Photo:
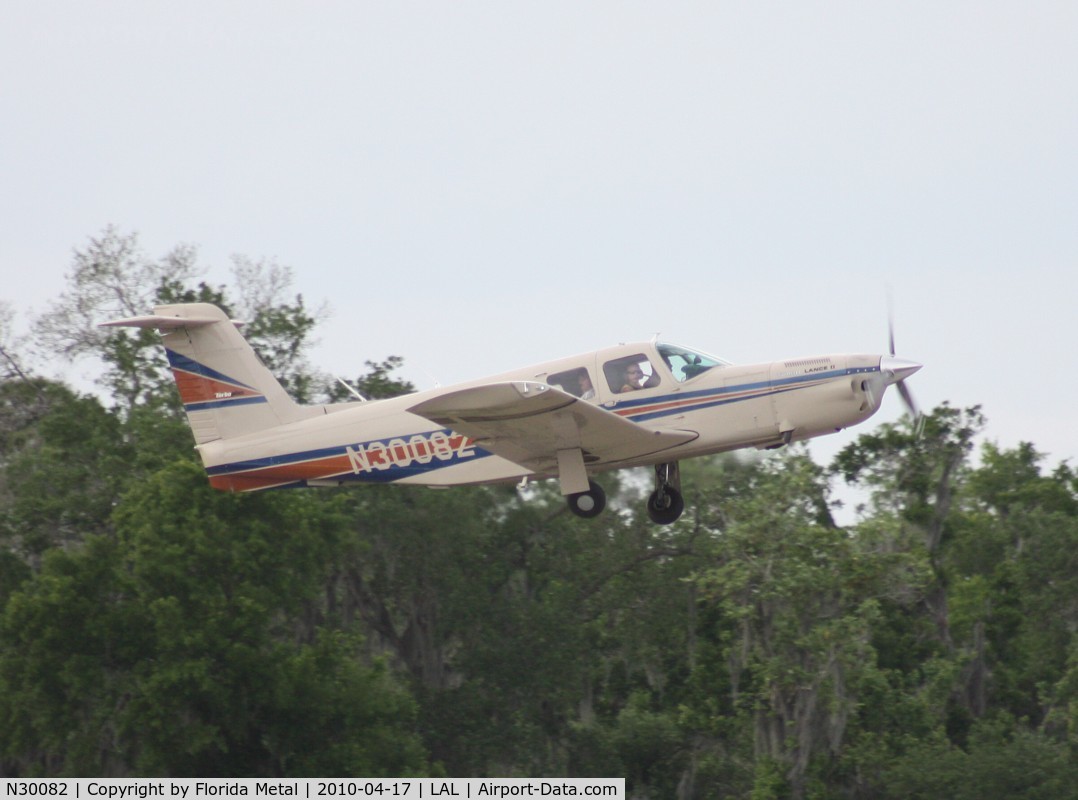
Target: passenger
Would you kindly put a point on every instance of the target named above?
(587, 391)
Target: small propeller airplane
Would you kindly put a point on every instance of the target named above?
(643, 404)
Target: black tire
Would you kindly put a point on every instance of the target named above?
(588, 504)
(666, 509)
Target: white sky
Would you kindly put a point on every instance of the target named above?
(476, 186)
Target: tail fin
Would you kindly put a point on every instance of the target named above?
(225, 388)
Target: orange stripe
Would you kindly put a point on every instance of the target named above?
(196, 389)
(263, 477)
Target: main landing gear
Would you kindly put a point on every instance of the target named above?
(664, 505)
(588, 504)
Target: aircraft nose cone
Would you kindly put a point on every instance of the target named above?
(897, 369)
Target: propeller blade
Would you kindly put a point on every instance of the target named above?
(912, 408)
(896, 370)
(890, 323)
(907, 399)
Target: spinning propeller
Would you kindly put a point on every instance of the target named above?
(895, 371)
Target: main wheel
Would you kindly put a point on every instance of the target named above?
(666, 506)
(588, 504)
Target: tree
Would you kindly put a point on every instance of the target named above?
(755, 648)
(793, 604)
(991, 648)
(113, 277)
(63, 462)
(375, 384)
(11, 359)
(278, 329)
(999, 762)
(177, 647)
(912, 469)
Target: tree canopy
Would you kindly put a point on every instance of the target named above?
(150, 625)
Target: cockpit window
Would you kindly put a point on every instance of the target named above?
(630, 373)
(686, 364)
(576, 382)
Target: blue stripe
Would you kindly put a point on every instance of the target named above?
(227, 402)
(178, 361)
(776, 387)
(391, 473)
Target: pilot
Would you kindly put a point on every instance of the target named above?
(634, 376)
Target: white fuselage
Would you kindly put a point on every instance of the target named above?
(726, 407)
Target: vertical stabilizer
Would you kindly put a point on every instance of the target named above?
(225, 388)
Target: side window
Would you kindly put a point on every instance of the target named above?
(630, 374)
(576, 382)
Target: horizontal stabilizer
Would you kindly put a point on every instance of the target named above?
(161, 322)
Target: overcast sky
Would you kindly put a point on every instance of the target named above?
(477, 186)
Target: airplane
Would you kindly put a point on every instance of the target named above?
(631, 405)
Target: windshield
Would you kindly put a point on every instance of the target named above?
(686, 364)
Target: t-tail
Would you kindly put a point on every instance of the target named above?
(225, 388)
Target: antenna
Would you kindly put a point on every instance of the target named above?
(437, 383)
(351, 390)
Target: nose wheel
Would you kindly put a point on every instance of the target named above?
(666, 503)
(588, 504)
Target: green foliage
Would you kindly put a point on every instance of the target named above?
(174, 648)
(1001, 761)
(279, 334)
(754, 649)
(64, 463)
(112, 277)
(375, 384)
(68, 637)
(795, 601)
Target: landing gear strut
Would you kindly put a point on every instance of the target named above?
(666, 503)
(588, 504)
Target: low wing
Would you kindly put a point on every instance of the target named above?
(545, 429)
